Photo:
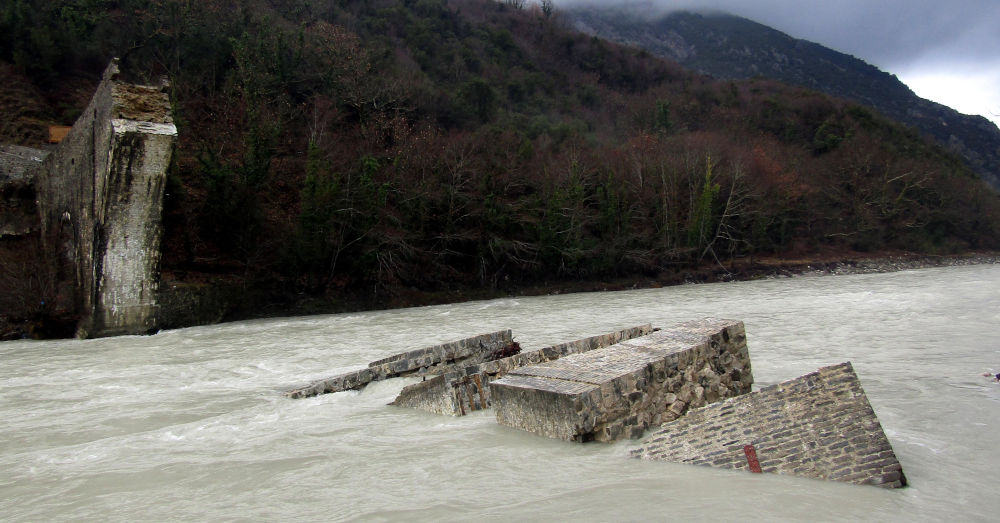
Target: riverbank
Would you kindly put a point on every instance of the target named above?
(223, 303)
(856, 263)
(763, 268)
(202, 304)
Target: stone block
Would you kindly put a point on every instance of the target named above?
(466, 389)
(618, 391)
(437, 359)
(817, 426)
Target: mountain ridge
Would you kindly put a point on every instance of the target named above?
(729, 47)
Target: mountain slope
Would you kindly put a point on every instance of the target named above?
(356, 151)
(729, 47)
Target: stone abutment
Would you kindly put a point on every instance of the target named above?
(100, 197)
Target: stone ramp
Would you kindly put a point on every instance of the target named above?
(817, 426)
(437, 359)
(466, 389)
(619, 391)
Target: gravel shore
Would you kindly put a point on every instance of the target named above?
(887, 264)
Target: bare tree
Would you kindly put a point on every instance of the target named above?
(547, 8)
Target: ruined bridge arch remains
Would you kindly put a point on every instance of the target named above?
(690, 384)
(100, 199)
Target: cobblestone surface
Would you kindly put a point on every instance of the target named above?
(818, 426)
(619, 391)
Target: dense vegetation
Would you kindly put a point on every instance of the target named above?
(363, 147)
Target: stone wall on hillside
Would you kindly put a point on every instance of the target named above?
(818, 426)
(18, 209)
(100, 195)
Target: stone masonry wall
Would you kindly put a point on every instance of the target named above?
(18, 208)
(100, 200)
(619, 391)
(818, 426)
(437, 359)
(466, 389)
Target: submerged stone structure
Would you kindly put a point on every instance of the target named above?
(621, 390)
(100, 198)
(437, 359)
(466, 388)
(693, 381)
(817, 426)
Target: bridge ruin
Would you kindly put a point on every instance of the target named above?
(97, 201)
(691, 384)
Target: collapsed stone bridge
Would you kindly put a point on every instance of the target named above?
(690, 383)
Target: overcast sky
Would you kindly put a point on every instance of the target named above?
(946, 51)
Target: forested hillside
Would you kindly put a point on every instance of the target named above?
(366, 148)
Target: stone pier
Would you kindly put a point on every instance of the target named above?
(437, 359)
(818, 426)
(100, 199)
(619, 391)
(466, 388)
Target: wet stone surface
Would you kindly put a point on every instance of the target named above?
(619, 391)
(437, 359)
(466, 389)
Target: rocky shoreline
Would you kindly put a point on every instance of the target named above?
(895, 263)
(775, 268)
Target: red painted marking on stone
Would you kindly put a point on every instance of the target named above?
(752, 458)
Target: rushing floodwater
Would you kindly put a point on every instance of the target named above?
(191, 424)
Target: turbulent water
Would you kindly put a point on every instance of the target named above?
(191, 424)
